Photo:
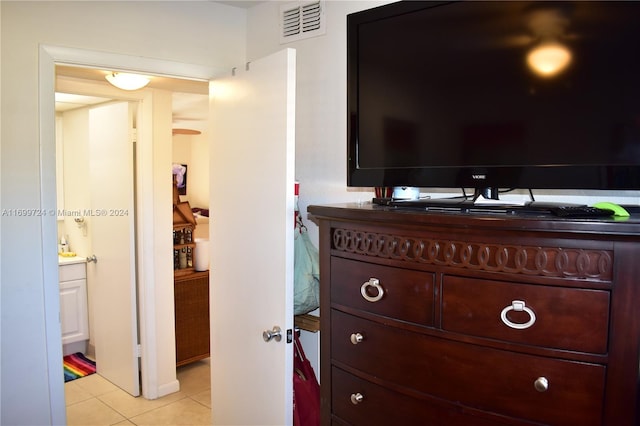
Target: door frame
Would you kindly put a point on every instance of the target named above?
(49, 56)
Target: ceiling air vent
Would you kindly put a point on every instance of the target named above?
(301, 19)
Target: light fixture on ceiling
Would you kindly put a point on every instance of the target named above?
(126, 81)
(549, 58)
(190, 132)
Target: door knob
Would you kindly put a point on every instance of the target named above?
(92, 258)
(273, 334)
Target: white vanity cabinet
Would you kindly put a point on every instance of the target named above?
(74, 315)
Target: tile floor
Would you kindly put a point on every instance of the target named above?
(93, 401)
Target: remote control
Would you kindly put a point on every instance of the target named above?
(580, 211)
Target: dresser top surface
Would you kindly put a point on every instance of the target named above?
(496, 218)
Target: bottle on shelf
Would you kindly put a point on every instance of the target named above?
(183, 258)
(64, 246)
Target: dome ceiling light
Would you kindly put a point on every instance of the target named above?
(126, 81)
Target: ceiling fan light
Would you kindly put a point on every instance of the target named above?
(126, 81)
(548, 59)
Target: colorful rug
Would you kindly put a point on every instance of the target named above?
(77, 365)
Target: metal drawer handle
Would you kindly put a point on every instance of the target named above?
(356, 338)
(356, 398)
(518, 306)
(375, 283)
(541, 384)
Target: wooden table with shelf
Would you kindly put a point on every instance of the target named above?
(191, 293)
(191, 289)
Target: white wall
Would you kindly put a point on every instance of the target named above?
(199, 171)
(193, 150)
(75, 131)
(201, 33)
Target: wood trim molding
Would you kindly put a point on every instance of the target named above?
(562, 262)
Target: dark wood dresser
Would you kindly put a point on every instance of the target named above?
(454, 318)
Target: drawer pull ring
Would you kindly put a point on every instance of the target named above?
(518, 306)
(541, 384)
(356, 398)
(356, 338)
(375, 283)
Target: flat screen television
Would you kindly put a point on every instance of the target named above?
(442, 94)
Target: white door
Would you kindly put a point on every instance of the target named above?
(252, 208)
(112, 278)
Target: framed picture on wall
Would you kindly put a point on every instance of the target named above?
(179, 172)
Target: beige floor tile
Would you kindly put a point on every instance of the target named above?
(203, 398)
(92, 412)
(183, 412)
(130, 406)
(194, 378)
(96, 385)
(73, 393)
(93, 400)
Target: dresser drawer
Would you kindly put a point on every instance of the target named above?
(360, 402)
(478, 377)
(563, 318)
(406, 294)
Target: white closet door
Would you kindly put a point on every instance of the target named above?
(112, 278)
(251, 221)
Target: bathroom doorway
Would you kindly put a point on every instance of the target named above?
(90, 82)
(152, 267)
(97, 222)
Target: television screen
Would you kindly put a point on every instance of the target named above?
(495, 94)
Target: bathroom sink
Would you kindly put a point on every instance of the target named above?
(67, 260)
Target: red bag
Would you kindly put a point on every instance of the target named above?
(306, 390)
